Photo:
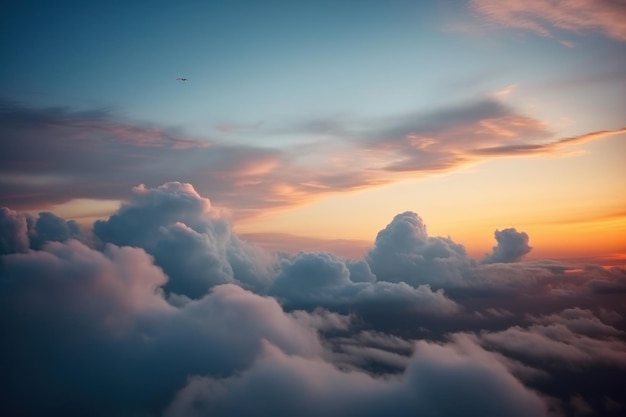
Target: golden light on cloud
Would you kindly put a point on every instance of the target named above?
(86, 210)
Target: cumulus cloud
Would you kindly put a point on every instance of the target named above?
(542, 17)
(48, 227)
(112, 342)
(19, 232)
(512, 246)
(189, 239)
(403, 252)
(322, 279)
(13, 231)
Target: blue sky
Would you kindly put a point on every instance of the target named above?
(273, 62)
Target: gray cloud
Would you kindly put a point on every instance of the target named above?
(112, 342)
(19, 232)
(282, 385)
(191, 241)
(321, 279)
(574, 336)
(580, 321)
(600, 286)
(13, 232)
(48, 227)
(403, 251)
(512, 246)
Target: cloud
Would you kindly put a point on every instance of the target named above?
(13, 232)
(439, 139)
(282, 385)
(51, 228)
(458, 127)
(19, 232)
(322, 279)
(579, 321)
(71, 283)
(99, 155)
(167, 309)
(323, 320)
(545, 148)
(403, 252)
(189, 239)
(512, 246)
(613, 282)
(542, 17)
(113, 344)
(573, 337)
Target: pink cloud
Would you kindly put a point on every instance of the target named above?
(70, 282)
(542, 16)
(93, 155)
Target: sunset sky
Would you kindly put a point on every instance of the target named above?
(324, 159)
(323, 119)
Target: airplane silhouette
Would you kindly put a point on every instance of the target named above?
(182, 79)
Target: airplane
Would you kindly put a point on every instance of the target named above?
(182, 79)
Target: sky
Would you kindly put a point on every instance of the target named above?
(346, 112)
(347, 208)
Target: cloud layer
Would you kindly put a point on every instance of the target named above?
(99, 155)
(542, 17)
(166, 311)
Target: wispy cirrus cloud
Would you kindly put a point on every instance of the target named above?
(543, 16)
(546, 148)
(51, 156)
